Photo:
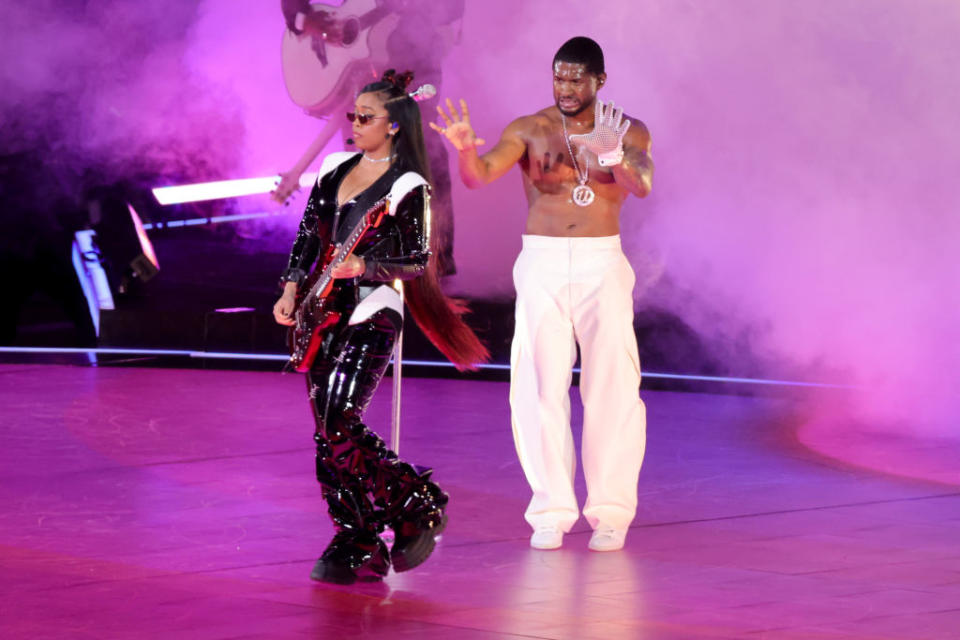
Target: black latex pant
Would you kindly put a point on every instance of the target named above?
(366, 487)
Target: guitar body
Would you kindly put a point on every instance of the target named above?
(314, 317)
(314, 313)
(319, 83)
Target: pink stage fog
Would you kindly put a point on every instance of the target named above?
(802, 219)
(801, 214)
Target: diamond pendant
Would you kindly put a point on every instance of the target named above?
(583, 195)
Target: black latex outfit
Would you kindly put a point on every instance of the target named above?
(366, 487)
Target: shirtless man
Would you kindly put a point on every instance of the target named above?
(580, 160)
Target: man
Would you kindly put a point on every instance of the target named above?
(580, 159)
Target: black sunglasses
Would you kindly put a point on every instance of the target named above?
(362, 118)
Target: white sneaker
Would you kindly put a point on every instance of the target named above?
(606, 538)
(547, 537)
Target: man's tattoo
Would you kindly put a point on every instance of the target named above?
(636, 157)
(637, 167)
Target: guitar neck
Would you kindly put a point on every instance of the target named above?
(370, 219)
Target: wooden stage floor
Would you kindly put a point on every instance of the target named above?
(163, 503)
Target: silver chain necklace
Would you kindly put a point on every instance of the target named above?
(369, 159)
(582, 194)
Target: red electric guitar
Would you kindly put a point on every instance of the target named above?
(313, 314)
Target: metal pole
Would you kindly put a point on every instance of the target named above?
(397, 360)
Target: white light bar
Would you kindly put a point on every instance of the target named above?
(221, 189)
(189, 222)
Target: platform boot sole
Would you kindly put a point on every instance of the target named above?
(336, 573)
(415, 551)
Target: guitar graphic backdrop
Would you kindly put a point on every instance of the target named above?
(328, 51)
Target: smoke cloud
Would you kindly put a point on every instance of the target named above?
(102, 87)
(802, 219)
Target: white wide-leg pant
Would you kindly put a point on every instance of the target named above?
(576, 290)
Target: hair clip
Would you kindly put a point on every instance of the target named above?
(425, 92)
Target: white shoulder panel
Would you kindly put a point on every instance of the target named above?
(332, 161)
(402, 186)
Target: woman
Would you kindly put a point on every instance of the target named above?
(366, 487)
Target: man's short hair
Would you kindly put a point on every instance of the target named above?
(581, 50)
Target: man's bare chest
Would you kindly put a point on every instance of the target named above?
(552, 160)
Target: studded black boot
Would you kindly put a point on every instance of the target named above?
(412, 505)
(356, 552)
(419, 520)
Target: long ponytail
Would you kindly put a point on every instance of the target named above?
(441, 317)
(438, 316)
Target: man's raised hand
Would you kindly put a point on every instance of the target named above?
(457, 128)
(606, 139)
